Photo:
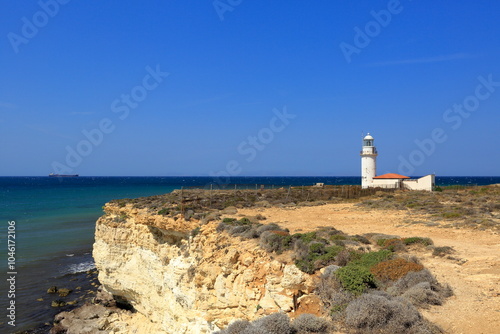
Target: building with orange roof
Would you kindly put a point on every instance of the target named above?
(391, 180)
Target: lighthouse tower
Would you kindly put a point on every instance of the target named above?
(368, 162)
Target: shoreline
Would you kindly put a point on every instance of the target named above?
(34, 304)
(83, 287)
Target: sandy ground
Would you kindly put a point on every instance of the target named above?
(474, 273)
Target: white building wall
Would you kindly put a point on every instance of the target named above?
(424, 183)
(385, 183)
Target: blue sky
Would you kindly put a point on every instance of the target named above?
(248, 87)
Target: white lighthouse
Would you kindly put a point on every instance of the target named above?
(368, 162)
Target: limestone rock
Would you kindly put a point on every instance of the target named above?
(177, 283)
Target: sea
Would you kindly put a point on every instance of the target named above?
(53, 221)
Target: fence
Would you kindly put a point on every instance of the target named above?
(245, 194)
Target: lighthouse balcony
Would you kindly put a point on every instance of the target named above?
(368, 152)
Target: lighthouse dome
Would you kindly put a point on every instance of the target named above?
(368, 137)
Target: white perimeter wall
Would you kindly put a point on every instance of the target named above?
(385, 183)
(424, 183)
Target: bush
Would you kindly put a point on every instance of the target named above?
(393, 245)
(272, 242)
(394, 269)
(372, 258)
(308, 323)
(269, 227)
(334, 297)
(411, 279)
(343, 257)
(356, 278)
(276, 323)
(442, 251)
(236, 327)
(418, 240)
(244, 221)
(381, 313)
(422, 295)
(361, 239)
(317, 256)
(164, 212)
(305, 237)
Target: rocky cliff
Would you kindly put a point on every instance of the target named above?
(183, 276)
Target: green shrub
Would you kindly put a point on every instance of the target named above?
(317, 248)
(372, 258)
(306, 265)
(305, 237)
(418, 240)
(450, 215)
(228, 220)
(318, 256)
(244, 221)
(164, 212)
(356, 278)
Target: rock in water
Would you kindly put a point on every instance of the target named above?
(63, 292)
(52, 289)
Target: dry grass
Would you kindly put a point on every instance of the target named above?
(477, 207)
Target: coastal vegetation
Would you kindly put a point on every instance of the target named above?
(368, 282)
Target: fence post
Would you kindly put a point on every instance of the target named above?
(211, 189)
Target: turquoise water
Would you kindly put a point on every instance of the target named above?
(58, 215)
(55, 221)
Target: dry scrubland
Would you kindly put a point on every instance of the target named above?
(393, 262)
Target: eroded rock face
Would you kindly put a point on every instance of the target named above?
(183, 284)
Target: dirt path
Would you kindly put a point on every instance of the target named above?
(474, 275)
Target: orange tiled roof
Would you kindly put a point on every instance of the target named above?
(391, 176)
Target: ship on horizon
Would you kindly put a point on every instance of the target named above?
(63, 175)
